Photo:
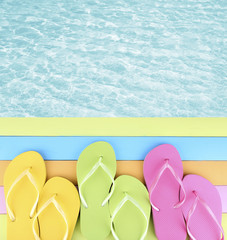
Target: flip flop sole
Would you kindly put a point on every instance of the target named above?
(169, 222)
(23, 195)
(51, 222)
(95, 220)
(129, 222)
(202, 225)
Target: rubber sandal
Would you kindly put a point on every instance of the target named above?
(57, 210)
(130, 209)
(23, 180)
(163, 172)
(202, 209)
(96, 169)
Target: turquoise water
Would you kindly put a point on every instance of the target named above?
(113, 58)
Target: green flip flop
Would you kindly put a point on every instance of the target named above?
(130, 209)
(96, 169)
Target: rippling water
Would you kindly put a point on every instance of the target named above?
(113, 58)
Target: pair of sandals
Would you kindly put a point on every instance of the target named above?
(37, 209)
(118, 209)
(181, 205)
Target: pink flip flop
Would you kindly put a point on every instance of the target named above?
(163, 173)
(202, 209)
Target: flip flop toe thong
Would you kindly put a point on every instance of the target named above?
(57, 210)
(202, 209)
(96, 169)
(130, 209)
(163, 173)
(23, 181)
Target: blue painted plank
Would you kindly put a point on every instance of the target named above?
(126, 148)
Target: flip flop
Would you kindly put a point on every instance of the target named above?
(96, 169)
(23, 180)
(163, 172)
(202, 209)
(57, 210)
(130, 209)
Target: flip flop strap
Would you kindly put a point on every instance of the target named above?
(117, 209)
(192, 210)
(59, 209)
(32, 180)
(92, 171)
(157, 178)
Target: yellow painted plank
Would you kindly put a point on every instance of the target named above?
(78, 236)
(214, 171)
(113, 127)
(3, 227)
(224, 223)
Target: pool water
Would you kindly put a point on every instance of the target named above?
(115, 58)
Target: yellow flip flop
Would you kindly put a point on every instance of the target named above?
(23, 180)
(57, 210)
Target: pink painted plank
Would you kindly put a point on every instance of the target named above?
(2, 201)
(223, 193)
(221, 189)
